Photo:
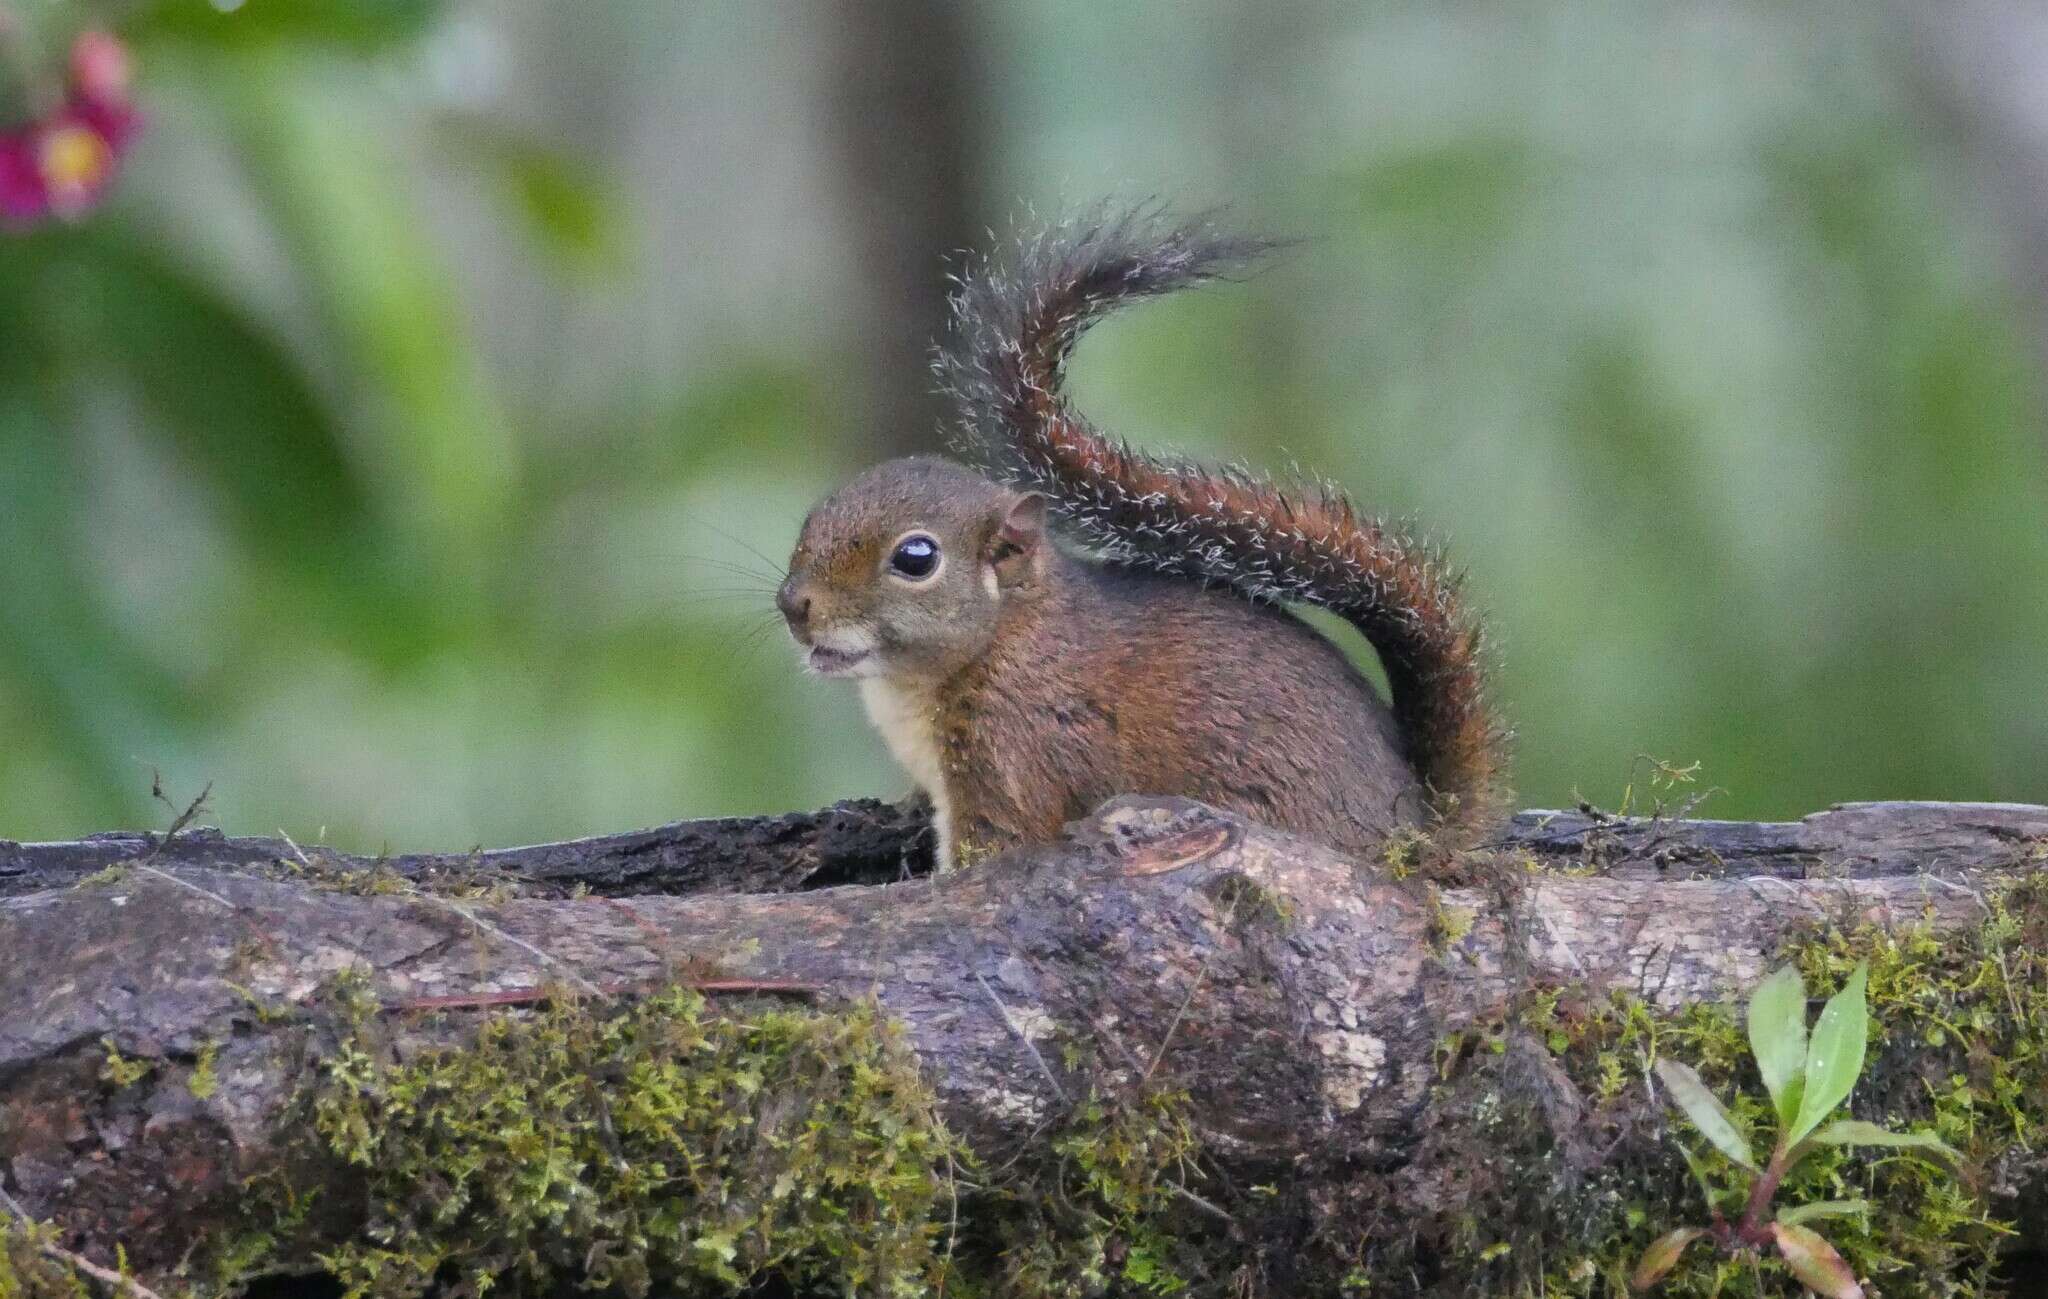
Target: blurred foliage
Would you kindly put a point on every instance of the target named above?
(408, 445)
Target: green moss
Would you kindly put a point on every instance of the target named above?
(1448, 925)
(663, 1146)
(1405, 849)
(652, 1145)
(118, 1071)
(378, 879)
(1558, 1165)
(1101, 1204)
(203, 1081)
(27, 1272)
(1246, 903)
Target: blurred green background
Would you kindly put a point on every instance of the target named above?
(392, 449)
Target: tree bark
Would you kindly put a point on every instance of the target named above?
(861, 841)
(1298, 995)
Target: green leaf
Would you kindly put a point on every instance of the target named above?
(1793, 1215)
(66, 656)
(236, 407)
(1662, 1256)
(361, 25)
(1815, 1262)
(1777, 1036)
(444, 456)
(1699, 1174)
(1855, 1132)
(1835, 1055)
(1707, 1113)
(567, 204)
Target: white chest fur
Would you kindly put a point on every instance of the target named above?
(906, 718)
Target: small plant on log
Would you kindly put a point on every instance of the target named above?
(1807, 1078)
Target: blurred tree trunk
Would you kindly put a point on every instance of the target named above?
(1981, 65)
(906, 109)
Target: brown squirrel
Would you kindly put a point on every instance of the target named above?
(1022, 685)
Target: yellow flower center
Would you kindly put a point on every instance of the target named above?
(74, 160)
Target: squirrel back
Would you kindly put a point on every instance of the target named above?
(1013, 328)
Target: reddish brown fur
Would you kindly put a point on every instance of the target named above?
(1077, 681)
(1431, 650)
(1013, 331)
(1023, 686)
(1102, 682)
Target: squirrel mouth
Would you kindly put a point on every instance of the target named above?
(828, 662)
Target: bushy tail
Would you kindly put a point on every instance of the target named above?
(1013, 327)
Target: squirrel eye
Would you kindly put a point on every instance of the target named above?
(915, 557)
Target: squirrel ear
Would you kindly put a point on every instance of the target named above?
(1014, 545)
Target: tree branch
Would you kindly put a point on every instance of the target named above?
(1299, 997)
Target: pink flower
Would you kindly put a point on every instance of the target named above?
(22, 197)
(76, 161)
(61, 163)
(99, 69)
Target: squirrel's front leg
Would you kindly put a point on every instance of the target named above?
(964, 834)
(1007, 783)
(973, 840)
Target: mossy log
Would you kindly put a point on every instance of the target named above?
(1300, 999)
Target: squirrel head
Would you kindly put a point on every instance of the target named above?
(906, 571)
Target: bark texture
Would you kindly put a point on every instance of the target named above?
(1299, 995)
(861, 841)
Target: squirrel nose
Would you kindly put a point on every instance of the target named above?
(796, 609)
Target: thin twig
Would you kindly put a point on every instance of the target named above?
(1963, 889)
(1104, 1033)
(1023, 1037)
(1180, 1013)
(1200, 1203)
(1799, 895)
(297, 851)
(953, 1212)
(181, 819)
(1201, 974)
(206, 893)
(104, 1275)
(263, 936)
(518, 942)
(1558, 939)
(2012, 998)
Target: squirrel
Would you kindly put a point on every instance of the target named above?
(1021, 685)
